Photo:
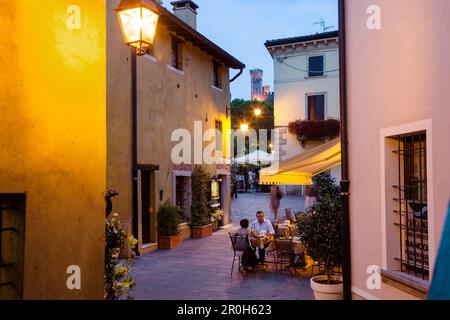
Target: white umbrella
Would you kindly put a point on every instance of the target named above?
(256, 157)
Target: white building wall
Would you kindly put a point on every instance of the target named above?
(293, 86)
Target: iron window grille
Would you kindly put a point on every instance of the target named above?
(412, 209)
(12, 224)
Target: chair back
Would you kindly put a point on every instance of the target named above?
(284, 245)
(282, 231)
(288, 213)
(239, 242)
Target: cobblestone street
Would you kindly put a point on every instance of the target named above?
(200, 269)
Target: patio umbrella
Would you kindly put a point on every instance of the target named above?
(256, 157)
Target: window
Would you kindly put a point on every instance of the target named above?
(316, 68)
(12, 241)
(216, 75)
(150, 50)
(182, 196)
(177, 57)
(412, 210)
(316, 107)
(219, 135)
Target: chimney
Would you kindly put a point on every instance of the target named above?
(186, 11)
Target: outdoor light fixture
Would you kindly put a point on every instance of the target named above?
(138, 21)
(258, 112)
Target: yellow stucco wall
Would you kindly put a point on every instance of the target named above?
(167, 100)
(53, 138)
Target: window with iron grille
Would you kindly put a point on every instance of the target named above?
(412, 207)
(177, 53)
(12, 237)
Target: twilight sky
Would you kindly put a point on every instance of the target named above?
(242, 26)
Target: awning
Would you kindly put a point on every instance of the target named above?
(300, 169)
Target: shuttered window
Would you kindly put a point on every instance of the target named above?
(316, 107)
(316, 68)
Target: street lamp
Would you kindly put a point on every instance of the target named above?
(138, 21)
(258, 112)
(244, 127)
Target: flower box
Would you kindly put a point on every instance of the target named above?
(202, 232)
(170, 242)
(315, 130)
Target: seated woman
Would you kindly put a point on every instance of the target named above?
(249, 259)
(245, 231)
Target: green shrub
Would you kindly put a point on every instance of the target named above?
(168, 220)
(321, 226)
(200, 197)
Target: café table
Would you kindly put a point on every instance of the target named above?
(296, 249)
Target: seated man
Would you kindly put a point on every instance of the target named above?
(263, 227)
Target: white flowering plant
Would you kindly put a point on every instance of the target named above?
(118, 256)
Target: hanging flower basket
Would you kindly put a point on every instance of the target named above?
(315, 130)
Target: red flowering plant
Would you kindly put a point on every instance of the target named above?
(315, 130)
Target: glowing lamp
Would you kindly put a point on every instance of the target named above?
(138, 21)
(244, 127)
(258, 112)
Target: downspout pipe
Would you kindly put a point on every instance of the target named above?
(345, 180)
(134, 169)
(237, 76)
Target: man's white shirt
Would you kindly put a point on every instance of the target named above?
(265, 226)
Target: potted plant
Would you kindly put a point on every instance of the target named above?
(200, 224)
(321, 232)
(217, 219)
(169, 226)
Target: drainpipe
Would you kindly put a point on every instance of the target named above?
(237, 76)
(134, 169)
(345, 180)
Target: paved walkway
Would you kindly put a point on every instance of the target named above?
(200, 269)
(246, 206)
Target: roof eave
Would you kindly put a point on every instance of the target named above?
(186, 32)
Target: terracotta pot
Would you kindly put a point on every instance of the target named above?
(327, 291)
(202, 232)
(170, 242)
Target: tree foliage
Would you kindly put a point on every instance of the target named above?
(243, 111)
(321, 226)
(200, 181)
